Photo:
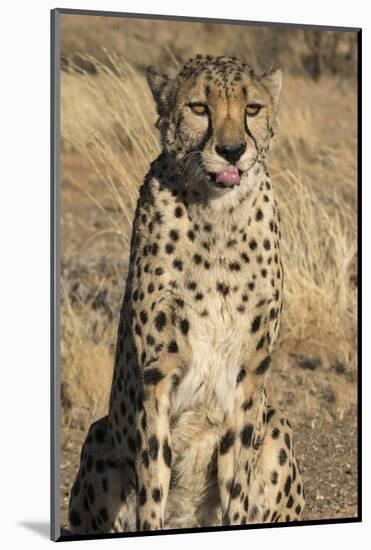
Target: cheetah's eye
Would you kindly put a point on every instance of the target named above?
(198, 108)
(253, 109)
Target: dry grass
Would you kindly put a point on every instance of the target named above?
(108, 142)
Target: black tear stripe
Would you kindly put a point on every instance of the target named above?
(208, 135)
(178, 123)
(251, 136)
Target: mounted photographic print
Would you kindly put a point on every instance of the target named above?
(204, 277)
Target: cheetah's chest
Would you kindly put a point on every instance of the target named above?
(217, 345)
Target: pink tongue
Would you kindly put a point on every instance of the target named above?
(229, 176)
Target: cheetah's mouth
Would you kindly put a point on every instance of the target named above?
(227, 178)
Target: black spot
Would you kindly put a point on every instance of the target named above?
(234, 489)
(247, 404)
(103, 514)
(158, 218)
(290, 502)
(184, 326)
(263, 365)
(152, 376)
(191, 236)
(245, 257)
(298, 489)
(75, 518)
(174, 235)
(150, 340)
(154, 249)
(234, 266)
(298, 509)
(253, 244)
(287, 486)
(255, 325)
(145, 459)
(282, 457)
(167, 454)
(287, 441)
(89, 463)
(169, 248)
(151, 288)
(267, 244)
(246, 435)
(142, 497)
(91, 494)
(272, 314)
(144, 421)
(178, 264)
(241, 375)
(160, 321)
(191, 285)
(278, 497)
(172, 346)
(199, 296)
(156, 494)
(246, 504)
(274, 477)
(178, 212)
(222, 288)
(143, 317)
(197, 259)
(275, 433)
(227, 442)
(260, 343)
(153, 447)
(99, 435)
(254, 512)
(208, 227)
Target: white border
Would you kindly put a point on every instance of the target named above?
(24, 219)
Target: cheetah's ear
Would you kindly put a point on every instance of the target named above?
(272, 80)
(160, 85)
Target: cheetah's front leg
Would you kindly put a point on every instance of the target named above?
(153, 446)
(240, 445)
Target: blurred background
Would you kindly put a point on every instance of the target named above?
(107, 143)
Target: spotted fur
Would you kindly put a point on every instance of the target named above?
(189, 439)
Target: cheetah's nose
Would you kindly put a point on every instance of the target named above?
(231, 153)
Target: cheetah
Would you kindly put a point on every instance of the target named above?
(189, 440)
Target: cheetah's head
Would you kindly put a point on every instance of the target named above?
(217, 118)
